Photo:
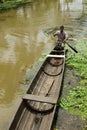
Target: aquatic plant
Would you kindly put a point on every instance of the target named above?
(43, 56)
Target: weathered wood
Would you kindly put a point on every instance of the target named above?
(40, 99)
(47, 120)
(42, 95)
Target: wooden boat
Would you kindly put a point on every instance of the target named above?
(38, 106)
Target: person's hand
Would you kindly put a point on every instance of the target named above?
(64, 41)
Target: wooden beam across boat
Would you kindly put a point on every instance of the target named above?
(38, 105)
(56, 56)
(36, 98)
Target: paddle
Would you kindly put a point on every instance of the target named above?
(72, 47)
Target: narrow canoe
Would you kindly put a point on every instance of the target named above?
(38, 105)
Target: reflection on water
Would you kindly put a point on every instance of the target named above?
(22, 41)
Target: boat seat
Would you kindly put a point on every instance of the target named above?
(58, 50)
(56, 56)
(40, 98)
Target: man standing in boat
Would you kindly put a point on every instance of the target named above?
(62, 37)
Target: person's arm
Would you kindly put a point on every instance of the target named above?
(66, 37)
(56, 33)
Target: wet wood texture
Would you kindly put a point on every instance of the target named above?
(37, 109)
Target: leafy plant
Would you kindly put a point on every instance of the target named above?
(79, 61)
(9, 4)
(43, 56)
(76, 101)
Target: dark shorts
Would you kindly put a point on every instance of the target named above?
(59, 46)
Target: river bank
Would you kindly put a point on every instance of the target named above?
(72, 113)
(10, 4)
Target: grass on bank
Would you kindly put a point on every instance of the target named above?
(13, 4)
(76, 101)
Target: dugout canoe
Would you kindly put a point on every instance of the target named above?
(38, 105)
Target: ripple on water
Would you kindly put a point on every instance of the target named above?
(2, 93)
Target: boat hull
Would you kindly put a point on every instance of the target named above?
(38, 106)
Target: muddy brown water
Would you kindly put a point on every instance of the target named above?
(22, 41)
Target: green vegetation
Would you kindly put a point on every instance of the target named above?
(12, 4)
(79, 61)
(76, 101)
(43, 56)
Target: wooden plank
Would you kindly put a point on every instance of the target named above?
(40, 99)
(58, 50)
(56, 56)
(47, 120)
(46, 86)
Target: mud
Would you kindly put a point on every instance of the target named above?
(67, 121)
(70, 80)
